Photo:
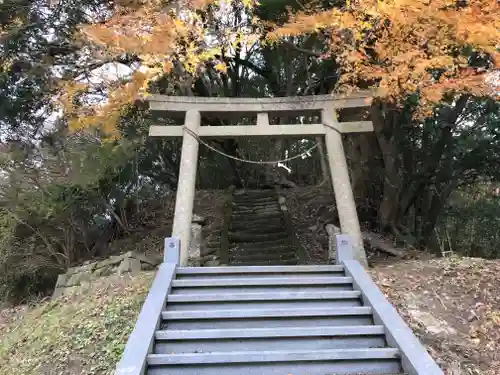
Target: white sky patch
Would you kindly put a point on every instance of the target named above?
(493, 81)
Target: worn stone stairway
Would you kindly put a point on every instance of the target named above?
(258, 234)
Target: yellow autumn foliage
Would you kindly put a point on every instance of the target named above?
(159, 37)
(396, 44)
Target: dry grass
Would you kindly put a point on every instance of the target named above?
(80, 334)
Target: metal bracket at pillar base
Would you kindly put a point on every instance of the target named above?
(171, 250)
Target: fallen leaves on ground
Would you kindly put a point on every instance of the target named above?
(453, 305)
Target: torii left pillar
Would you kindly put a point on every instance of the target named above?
(184, 201)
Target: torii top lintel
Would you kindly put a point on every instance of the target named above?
(225, 104)
(228, 107)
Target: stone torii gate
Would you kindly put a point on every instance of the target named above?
(193, 107)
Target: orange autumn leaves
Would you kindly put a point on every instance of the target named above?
(401, 44)
(395, 45)
(103, 117)
(162, 36)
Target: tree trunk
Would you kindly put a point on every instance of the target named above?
(364, 161)
(389, 204)
(325, 172)
(434, 210)
(272, 174)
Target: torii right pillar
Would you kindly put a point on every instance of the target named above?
(344, 198)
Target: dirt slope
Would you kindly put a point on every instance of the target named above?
(453, 305)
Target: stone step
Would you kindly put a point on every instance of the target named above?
(252, 208)
(255, 203)
(282, 262)
(235, 237)
(251, 217)
(242, 225)
(256, 213)
(262, 250)
(247, 198)
(254, 193)
(262, 229)
(208, 253)
(213, 244)
(255, 197)
(261, 244)
(260, 257)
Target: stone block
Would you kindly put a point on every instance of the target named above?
(142, 257)
(86, 283)
(135, 266)
(197, 219)
(281, 200)
(74, 279)
(194, 263)
(103, 271)
(129, 265)
(194, 248)
(89, 267)
(77, 278)
(124, 266)
(208, 257)
(208, 251)
(213, 244)
(58, 292)
(72, 270)
(70, 290)
(115, 259)
(61, 280)
(147, 267)
(212, 263)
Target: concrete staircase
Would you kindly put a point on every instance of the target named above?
(270, 320)
(257, 230)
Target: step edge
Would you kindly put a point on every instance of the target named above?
(260, 269)
(245, 297)
(267, 313)
(273, 356)
(334, 280)
(262, 333)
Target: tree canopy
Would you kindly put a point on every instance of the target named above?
(398, 47)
